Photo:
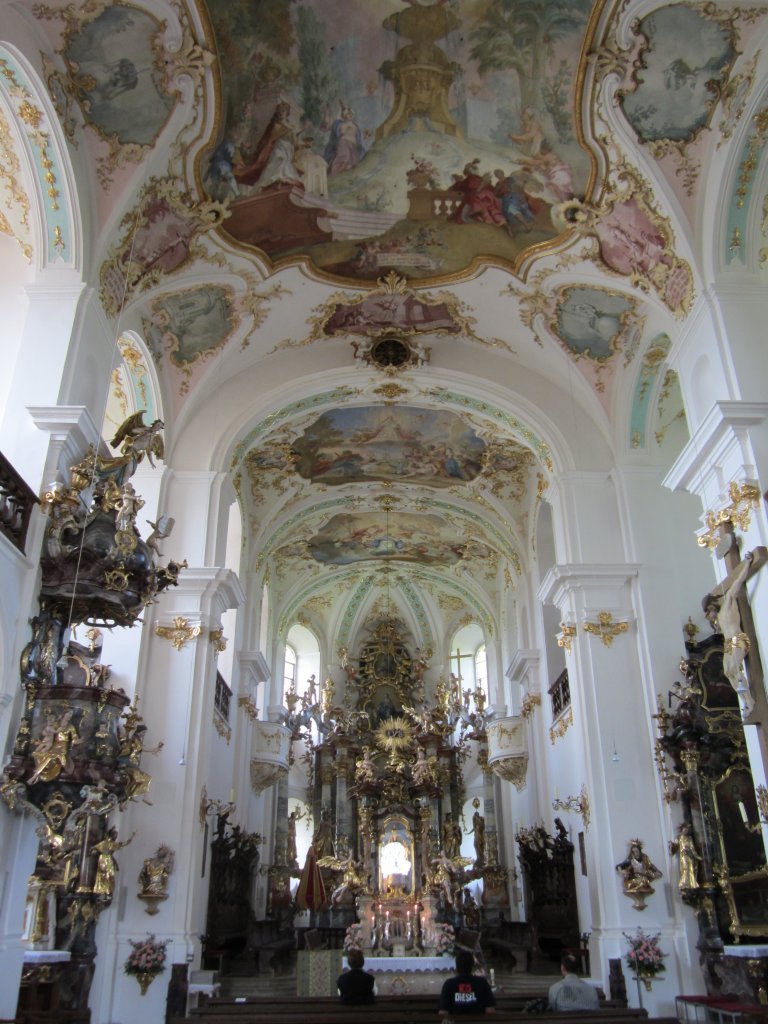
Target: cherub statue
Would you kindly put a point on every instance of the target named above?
(160, 530)
(423, 771)
(365, 769)
(106, 865)
(352, 879)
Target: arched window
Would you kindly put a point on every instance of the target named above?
(289, 670)
(468, 659)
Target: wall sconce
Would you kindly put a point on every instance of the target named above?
(577, 804)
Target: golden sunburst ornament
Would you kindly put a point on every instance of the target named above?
(394, 734)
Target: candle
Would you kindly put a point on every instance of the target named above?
(231, 796)
(408, 915)
(493, 977)
(373, 921)
(743, 812)
(387, 915)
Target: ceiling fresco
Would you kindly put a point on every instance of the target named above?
(375, 137)
(426, 539)
(514, 187)
(419, 446)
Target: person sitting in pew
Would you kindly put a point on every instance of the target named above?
(356, 985)
(572, 993)
(467, 992)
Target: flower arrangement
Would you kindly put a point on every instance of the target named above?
(444, 939)
(644, 958)
(353, 937)
(423, 174)
(146, 960)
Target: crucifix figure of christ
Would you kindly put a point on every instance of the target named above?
(728, 610)
(458, 657)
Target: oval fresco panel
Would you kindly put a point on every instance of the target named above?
(426, 539)
(401, 135)
(684, 65)
(418, 446)
(589, 321)
(113, 62)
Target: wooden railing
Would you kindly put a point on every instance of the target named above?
(560, 694)
(16, 503)
(222, 697)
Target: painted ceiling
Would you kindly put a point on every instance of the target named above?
(435, 243)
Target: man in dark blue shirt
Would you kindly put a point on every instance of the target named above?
(356, 985)
(467, 992)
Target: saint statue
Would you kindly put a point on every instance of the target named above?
(451, 837)
(52, 753)
(639, 871)
(688, 856)
(106, 865)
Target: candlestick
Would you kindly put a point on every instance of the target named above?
(743, 812)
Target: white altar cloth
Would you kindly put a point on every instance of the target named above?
(404, 975)
(46, 956)
(377, 964)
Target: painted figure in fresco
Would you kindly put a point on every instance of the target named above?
(531, 136)
(52, 754)
(514, 202)
(272, 160)
(106, 865)
(479, 203)
(689, 858)
(220, 176)
(345, 146)
(550, 176)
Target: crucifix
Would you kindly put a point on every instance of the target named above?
(727, 608)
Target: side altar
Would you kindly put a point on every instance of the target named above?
(393, 752)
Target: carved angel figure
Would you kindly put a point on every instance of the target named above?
(135, 439)
(352, 879)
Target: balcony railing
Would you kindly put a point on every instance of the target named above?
(222, 697)
(560, 694)
(16, 503)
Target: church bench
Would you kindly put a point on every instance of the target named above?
(403, 1010)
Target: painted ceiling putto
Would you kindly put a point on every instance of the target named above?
(432, 236)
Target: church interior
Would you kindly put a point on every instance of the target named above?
(383, 536)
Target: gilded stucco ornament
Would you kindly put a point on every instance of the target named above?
(393, 304)
(577, 804)
(566, 636)
(744, 498)
(561, 726)
(146, 75)
(180, 632)
(605, 628)
(159, 235)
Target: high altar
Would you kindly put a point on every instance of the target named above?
(388, 795)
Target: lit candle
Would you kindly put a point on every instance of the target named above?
(387, 915)
(743, 812)
(373, 921)
(408, 915)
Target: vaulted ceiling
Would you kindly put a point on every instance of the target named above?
(395, 261)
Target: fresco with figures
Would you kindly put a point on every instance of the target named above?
(406, 135)
(427, 539)
(114, 74)
(589, 321)
(418, 446)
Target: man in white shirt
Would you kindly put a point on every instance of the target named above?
(572, 993)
